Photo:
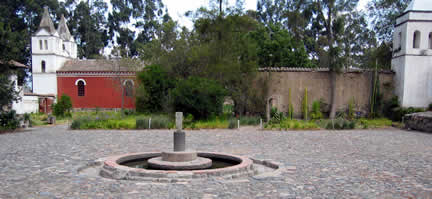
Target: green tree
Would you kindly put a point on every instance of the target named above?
(8, 94)
(18, 20)
(153, 92)
(63, 107)
(89, 27)
(331, 16)
(271, 12)
(277, 48)
(200, 97)
(147, 14)
(383, 14)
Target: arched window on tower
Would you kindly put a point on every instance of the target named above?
(81, 88)
(46, 44)
(40, 44)
(128, 88)
(43, 66)
(430, 40)
(416, 39)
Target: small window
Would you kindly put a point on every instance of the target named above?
(64, 47)
(416, 39)
(128, 88)
(43, 66)
(81, 88)
(40, 44)
(430, 40)
(46, 44)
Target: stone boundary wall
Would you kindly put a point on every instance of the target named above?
(352, 84)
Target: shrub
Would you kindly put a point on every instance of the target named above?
(316, 113)
(9, 120)
(275, 116)
(63, 107)
(198, 96)
(249, 120)
(430, 107)
(77, 123)
(161, 122)
(128, 112)
(232, 123)
(348, 124)
(393, 111)
(152, 95)
(340, 124)
(27, 117)
(142, 123)
(188, 120)
(157, 122)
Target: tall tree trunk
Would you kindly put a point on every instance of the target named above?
(220, 7)
(331, 64)
(333, 94)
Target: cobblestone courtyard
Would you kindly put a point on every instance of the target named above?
(43, 163)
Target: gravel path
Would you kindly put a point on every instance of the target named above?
(391, 163)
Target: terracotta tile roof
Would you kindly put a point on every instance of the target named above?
(15, 64)
(99, 65)
(288, 69)
(39, 95)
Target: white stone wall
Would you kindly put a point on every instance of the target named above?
(27, 104)
(398, 66)
(417, 86)
(45, 83)
(413, 66)
(52, 63)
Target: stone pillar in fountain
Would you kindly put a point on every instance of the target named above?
(179, 135)
(179, 159)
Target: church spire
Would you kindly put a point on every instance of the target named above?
(63, 30)
(46, 22)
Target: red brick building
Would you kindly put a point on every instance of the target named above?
(97, 84)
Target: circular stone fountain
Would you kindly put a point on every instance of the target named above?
(180, 164)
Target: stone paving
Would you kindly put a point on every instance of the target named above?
(390, 163)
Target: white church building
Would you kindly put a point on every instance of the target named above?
(51, 48)
(412, 55)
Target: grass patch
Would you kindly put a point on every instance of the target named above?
(156, 122)
(103, 123)
(362, 123)
(215, 123)
(375, 123)
(40, 119)
(287, 124)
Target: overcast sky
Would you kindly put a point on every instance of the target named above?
(177, 8)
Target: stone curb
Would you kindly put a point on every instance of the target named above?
(112, 169)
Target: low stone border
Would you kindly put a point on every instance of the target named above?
(419, 121)
(112, 169)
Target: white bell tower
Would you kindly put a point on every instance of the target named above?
(51, 48)
(412, 55)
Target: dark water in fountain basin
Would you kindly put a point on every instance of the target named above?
(216, 163)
